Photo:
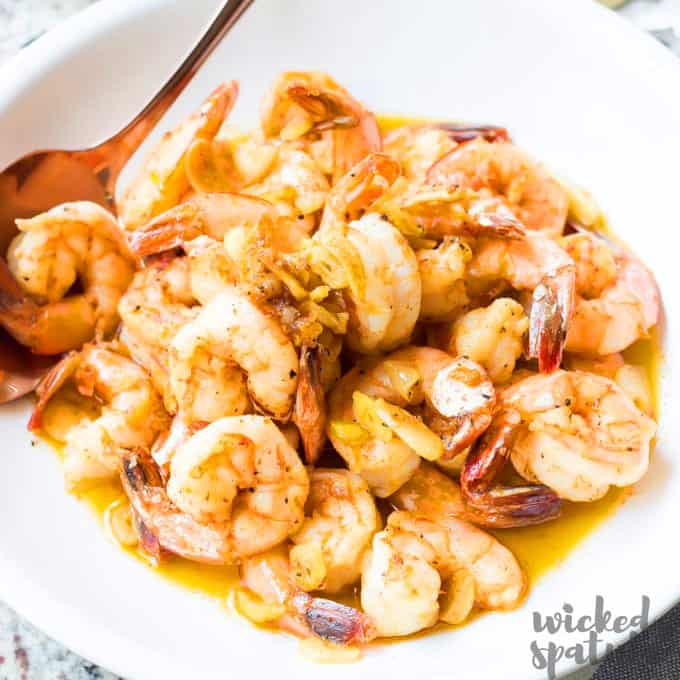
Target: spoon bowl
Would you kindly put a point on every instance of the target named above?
(43, 179)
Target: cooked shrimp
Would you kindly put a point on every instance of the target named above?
(236, 488)
(503, 170)
(355, 192)
(72, 242)
(157, 304)
(284, 604)
(421, 571)
(340, 519)
(492, 336)
(617, 299)
(418, 147)
(532, 263)
(211, 215)
(131, 415)
(161, 182)
(580, 434)
(437, 212)
(384, 316)
(442, 274)
(294, 183)
(455, 397)
(246, 349)
(433, 494)
(633, 379)
(304, 104)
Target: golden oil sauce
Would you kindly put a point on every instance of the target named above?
(538, 548)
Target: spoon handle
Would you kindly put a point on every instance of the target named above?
(116, 151)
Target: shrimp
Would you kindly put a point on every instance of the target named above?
(433, 494)
(73, 242)
(211, 215)
(617, 299)
(235, 488)
(157, 304)
(418, 147)
(340, 519)
(383, 314)
(294, 183)
(579, 434)
(442, 274)
(502, 170)
(355, 192)
(420, 571)
(454, 396)
(368, 259)
(532, 263)
(253, 359)
(308, 104)
(492, 336)
(633, 379)
(269, 576)
(162, 181)
(131, 416)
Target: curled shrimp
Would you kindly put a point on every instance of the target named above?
(356, 191)
(493, 336)
(244, 355)
(369, 259)
(500, 169)
(579, 434)
(211, 215)
(340, 519)
(420, 571)
(131, 412)
(235, 488)
(537, 264)
(454, 397)
(162, 181)
(309, 104)
(433, 494)
(617, 299)
(74, 242)
(290, 608)
(157, 304)
(294, 183)
(309, 414)
(419, 147)
(442, 274)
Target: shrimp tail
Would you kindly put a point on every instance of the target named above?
(492, 504)
(551, 308)
(51, 384)
(369, 180)
(148, 541)
(333, 621)
(465, 133)
(310, 404)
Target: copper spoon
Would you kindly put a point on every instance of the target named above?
(43, 179)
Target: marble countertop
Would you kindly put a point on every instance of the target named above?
(25, 652)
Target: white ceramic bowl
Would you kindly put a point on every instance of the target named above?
(576, 86)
